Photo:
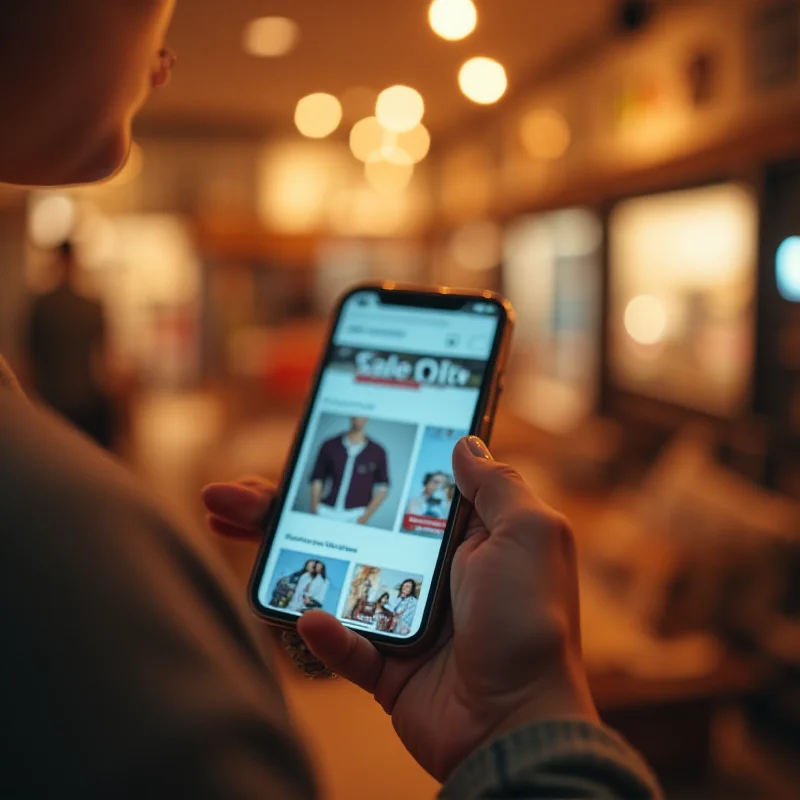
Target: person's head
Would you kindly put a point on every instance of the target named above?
(433, 482)
(408, 587)
(73, 73)
(383, 599)
(311, 566)
(358, 424)
(319, 569)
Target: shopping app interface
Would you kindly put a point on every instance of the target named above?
(363, 523)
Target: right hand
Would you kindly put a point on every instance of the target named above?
(511, 654)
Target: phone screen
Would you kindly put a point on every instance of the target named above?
(363, 525)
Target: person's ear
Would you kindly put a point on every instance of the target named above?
(162, 71)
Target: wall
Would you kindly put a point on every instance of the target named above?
(687, 84)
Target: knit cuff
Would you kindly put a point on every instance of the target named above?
(553, 750)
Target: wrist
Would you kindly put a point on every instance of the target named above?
(565, 698)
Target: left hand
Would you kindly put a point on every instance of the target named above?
(362, 520)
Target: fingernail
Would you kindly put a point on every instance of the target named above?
(478, 448)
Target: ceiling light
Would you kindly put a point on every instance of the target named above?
(366, 137)
(545, 134)
(483, 80)
(385, 176)
(318, 115)
(416, 142)
(270, 37)
(453, 19)
(399, 108)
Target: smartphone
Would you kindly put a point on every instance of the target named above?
(368, 516)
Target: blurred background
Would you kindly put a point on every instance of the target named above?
(626, 171)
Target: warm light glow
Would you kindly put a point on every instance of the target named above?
(366, 138)
(52, 220)
(399, 108)
(270, 37)
(695, 250)
(391, 151)
(645, 319)
(385, 176)
(318, 115)
(416, 143)
(483, 80)
(687, 240)
(787, 269)
(453, 19)
(96, 237)
(545, 134)
(296, 180)
(370, 141)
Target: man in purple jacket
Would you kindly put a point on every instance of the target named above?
(350, 479)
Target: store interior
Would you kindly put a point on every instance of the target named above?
(627, 173)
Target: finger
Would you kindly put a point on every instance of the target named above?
(245, 506)
(229, 531)
(494, 489)
(341, 650)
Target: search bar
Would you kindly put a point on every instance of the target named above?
(420, 320)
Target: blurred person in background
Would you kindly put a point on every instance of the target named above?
(66, 344)
(131, 667)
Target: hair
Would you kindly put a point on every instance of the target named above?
(323, 571)
(381, 598)
(305, 569)
(414, 587)
(429, 476)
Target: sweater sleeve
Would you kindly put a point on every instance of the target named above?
(557, 758)
(130, 667)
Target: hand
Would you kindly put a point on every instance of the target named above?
(510, 652)
(362, 520)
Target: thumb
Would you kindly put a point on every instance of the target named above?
(495, 490)
(343, 651)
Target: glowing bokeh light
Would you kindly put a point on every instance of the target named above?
(387, 176)
(416, 142)
(483, 80)
(787, 269)
(270, 37)
(365, 138)
(545, 134)
(52, 220)
(453, 19)
(646, 319)
(399, 108)
(318, 115)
